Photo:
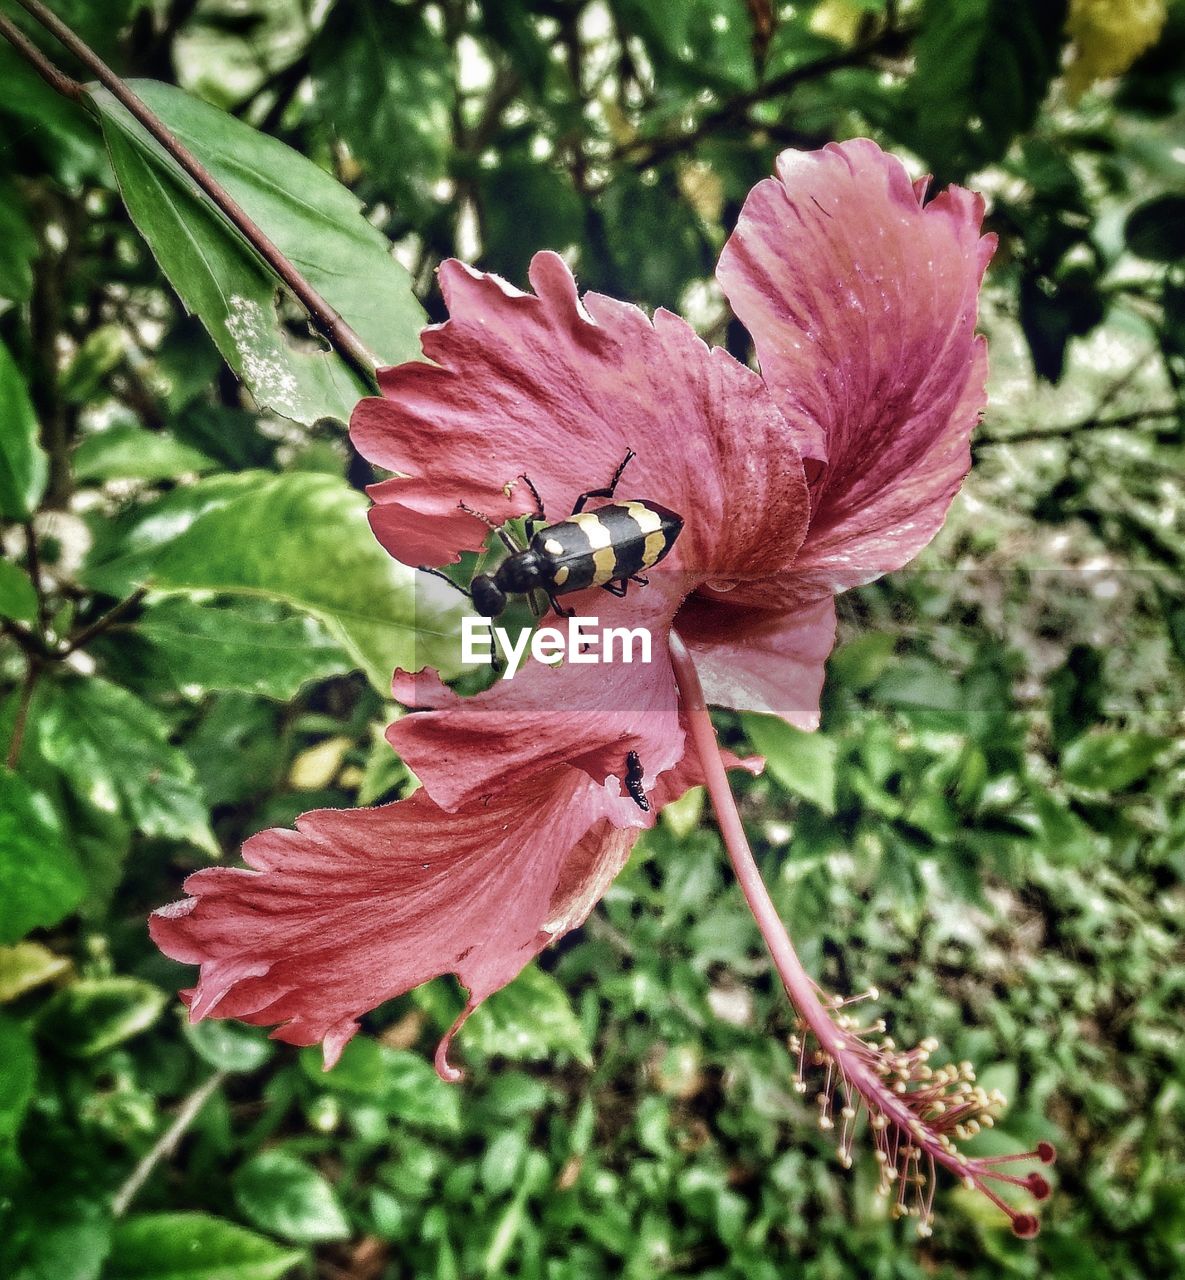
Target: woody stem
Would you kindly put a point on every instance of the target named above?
(322, 315)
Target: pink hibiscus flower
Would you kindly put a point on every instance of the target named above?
(836, 464)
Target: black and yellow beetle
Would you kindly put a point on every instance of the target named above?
(608, 548)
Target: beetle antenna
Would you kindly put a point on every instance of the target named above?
(526, 479)
(439, 573)
(469, 511)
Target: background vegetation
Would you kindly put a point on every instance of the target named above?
(989, 827)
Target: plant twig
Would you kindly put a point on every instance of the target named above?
(109, 619)
(1071, 429)
(167, 1143)
(33, 559)
(57, 80)
(323, 316)
(21, 719)
(655, 150)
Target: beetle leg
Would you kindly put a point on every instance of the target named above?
(617, 589)
(637, 577)
(559, 608)
(609, 490)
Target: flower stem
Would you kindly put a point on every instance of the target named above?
(913, 1109)
(323, 316)
(795, 978)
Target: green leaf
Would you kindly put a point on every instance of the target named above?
(518, 192)
(402, 1084)
(926, 692)
(862, 661)
(682, 816)
(59, 130)
(18, 1075)
(1111, 760)
(384, 82)
(301, 539)
(93, 1015)
(23, 464)
(28, 965)
(383, 772)
(131, 453)
(528, 1021)
(18, 599)
(1076, 691)
(281, 1194)
(103, 350)
(115, 752)
(1156, 229)
(60, 1238)
(803, 763)
(18, 247)
(1054, 308)
(254, 645)
(313, 221)
(983, 67)
(194, 1246)
(41, 880)
(705, 44)
(230, 1046)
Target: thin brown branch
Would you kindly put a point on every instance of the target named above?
(655, 150)
(60, 223)
(108, 620)
(1071, 429)
(323, 316)
(33, 559)
(167, 1143)
(21, 719)
(57, 80)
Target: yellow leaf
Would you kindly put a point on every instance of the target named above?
(28, 965)
(1108, 36)
(317, 766)
(839, 20)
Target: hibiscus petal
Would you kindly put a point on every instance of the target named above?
(758, 659)
(357, 906)
(589, 716)
(423, 689)
(556, 388)
(862, 305)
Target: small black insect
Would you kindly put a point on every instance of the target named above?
(608, 548)
(633, 781)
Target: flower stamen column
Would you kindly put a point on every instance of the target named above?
(915, 1111)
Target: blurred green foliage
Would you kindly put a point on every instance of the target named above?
(199, 630)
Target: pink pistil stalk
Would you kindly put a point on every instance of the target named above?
(916, 1112)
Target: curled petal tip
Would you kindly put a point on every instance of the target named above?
(444, 1068)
